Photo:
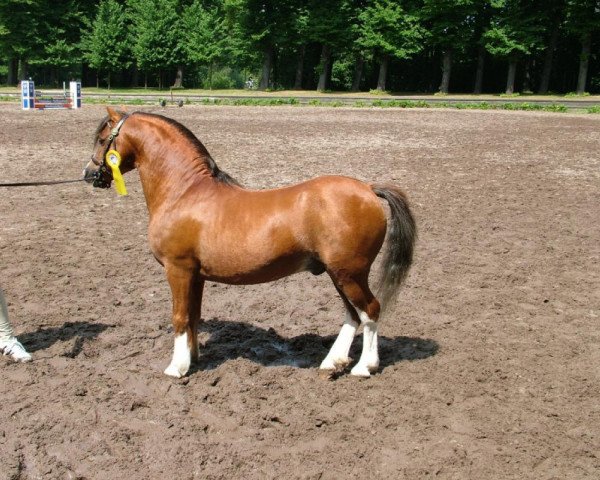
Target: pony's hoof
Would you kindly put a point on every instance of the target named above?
(173, 371)
(327, 374)
(337, 364)
(360, 371)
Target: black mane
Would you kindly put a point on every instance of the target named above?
(203, 155)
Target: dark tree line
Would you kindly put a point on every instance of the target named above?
(410, 45)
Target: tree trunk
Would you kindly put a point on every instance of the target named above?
(13, 67)
(584, 60)
(135, 77)
(97, 78)
(178, 83)
(325, 69)
(145, 81)
(527, 77)
(383, 69)
(510, 79)
(358, 71)
(300, 68)
(265, 78)
(23, 69)
(446, 70)
(434, 69)
(109, 79)
(548, 58)
(478, 88)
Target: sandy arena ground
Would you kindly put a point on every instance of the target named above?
(490, 360)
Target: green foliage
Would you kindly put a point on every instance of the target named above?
(104, 41)
(267, 22)
(400, 104)
(385, 28)
(329, 22)
(582, 17)
(156, 30)
(576, 94)
(220, 79)
(205, 39)
(449, 22)
(57, 40)
(250, 102)
(515, 30)
(533, 107)
(342, 73)
(379, 103)
(556, 108)
(41, 32)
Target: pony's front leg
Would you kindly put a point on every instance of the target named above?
(186, 289)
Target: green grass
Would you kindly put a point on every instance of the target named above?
(123, 97)
(534, 107)
(575, 94)
(250, 102)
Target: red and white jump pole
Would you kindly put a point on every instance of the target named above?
(29, 101)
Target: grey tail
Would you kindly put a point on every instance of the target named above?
(401, 238)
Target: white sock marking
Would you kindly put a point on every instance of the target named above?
(180, 364)
(338, 355)
(369, 358)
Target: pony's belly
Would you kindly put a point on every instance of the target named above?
(248, 273)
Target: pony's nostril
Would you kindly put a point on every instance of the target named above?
(89, 175)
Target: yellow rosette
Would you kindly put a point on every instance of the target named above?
(113, 160)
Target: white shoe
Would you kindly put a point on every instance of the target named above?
(15, 349)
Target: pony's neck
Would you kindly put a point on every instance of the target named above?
(169, 164)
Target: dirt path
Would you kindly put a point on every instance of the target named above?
(490, 360)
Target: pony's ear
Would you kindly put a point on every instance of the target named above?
(113, 115)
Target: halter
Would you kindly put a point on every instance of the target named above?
(104, 176)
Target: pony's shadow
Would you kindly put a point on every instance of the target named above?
(230, 340)
(44, 338)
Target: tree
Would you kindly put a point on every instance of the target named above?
(513, 34)
(553, 19)
(480, 25)
(386, 29)
(156, 45)
(449, 23)
(583, 20)
(329, 24)
(61, 54)
(266, 24)
(298, 37)
(205, 41)
(104, 41)
(22, 34)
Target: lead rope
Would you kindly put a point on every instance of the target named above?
(35, 184)
(114, 133)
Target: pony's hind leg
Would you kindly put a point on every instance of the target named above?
(356, 290)
(369, 358)
(186, 289)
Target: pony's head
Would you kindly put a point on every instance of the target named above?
(109, 137)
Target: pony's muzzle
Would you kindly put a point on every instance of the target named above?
(89, 175)
(99, 178)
